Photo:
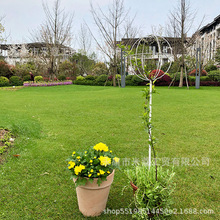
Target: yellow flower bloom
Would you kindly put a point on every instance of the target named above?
(73, 153)
(101, 147)
(101, 172)
(91, 171)
(105, 161)
(110, 151)
(85, 152)
(116, 159)
(89, 175)
(98, 174)
(78, 157)
(90, 161)
(71, 164)
(108, 172)
(94, 157)
(79, 168)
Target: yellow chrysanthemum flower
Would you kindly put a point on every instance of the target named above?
(101, 147)
(90, 161)
(98, 174)
(78, 157)
(85, 152)
(108, 172)
(101, 172)
(91, 171)
(79, 168)
(116, 159)
(89, 175)
(94, 157)
(105, 161)
(71, 164)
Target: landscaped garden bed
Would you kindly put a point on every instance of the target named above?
(53, 83)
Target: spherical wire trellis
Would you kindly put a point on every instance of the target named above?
(142, 52)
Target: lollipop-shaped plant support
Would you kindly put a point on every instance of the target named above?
(143, 51)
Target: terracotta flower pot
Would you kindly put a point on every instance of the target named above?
(92, 199)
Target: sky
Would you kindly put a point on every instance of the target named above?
(22, 17)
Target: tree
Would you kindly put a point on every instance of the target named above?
(181, 20)
(83, 62)
(1, 32)
(56, 33)
(84, 39)
(68, 69)
(109, 24)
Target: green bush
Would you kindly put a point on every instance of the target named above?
(100, 81)
(80, 78)
(192, 78)
(128, 79)
(61, 78)
(136, 80)
(177, 78)
(27, 78)
(15, 81)
(210, 67)
(173, 68)
(204, 78)
(4, 81)
(118, 76)
(214, 75)
(38, 78)
(90, 77)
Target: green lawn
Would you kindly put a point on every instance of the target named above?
(51, 122)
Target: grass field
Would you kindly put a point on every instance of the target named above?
(50, 123)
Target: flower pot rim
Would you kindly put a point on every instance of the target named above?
(94, 184)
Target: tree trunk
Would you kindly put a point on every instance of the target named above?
(181, 77)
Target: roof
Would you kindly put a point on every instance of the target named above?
(209, 26)
(28, 45)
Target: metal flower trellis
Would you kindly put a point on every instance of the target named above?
(141, 52)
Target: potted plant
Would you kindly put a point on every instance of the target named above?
(93, 172)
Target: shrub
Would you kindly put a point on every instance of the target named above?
(192, 78)
(100, 81)
(153, 197)
(26, 78)
(164, 79)
(4, 81)
(100, 69)
(193, 73)
(210, 67)
(177, 76)
(61, 78)
(128, 79)
(90, 77)
(16, 81)
(204, 78)
(5, 69)
(80, 78)
(38, 78)
(214, 75)
(118, 76)
(136, 80)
